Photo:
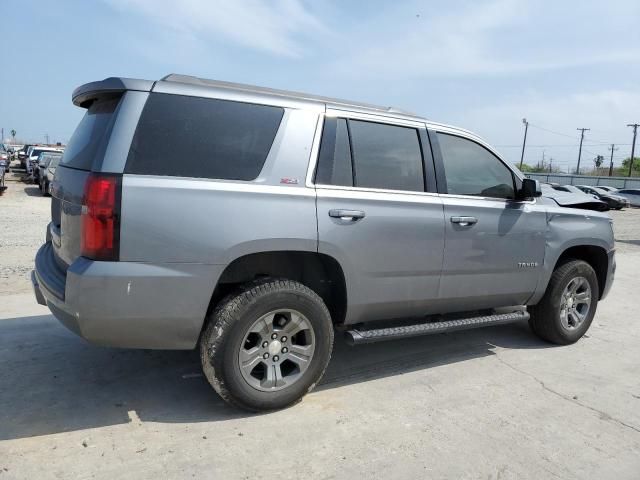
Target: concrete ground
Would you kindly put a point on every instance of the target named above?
(494, 403)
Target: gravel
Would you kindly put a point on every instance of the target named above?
(24, 216)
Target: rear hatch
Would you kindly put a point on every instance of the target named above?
(83, 155)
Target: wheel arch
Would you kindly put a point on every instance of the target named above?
(320, 272)
(594, 255)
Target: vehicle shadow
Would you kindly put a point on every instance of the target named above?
(53, 381)
(33, 191)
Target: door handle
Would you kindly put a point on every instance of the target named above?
(349, 215)
(464, 221)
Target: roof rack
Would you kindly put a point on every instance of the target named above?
(191, 80)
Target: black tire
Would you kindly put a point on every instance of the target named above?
(230, 321)
(545, 316)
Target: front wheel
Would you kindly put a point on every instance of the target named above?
(268, 345)
(568, 306)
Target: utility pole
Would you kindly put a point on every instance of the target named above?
(524, 142)
(550, 164)
(613, 148)
(633, 144)
(46, 137)
(582, 130)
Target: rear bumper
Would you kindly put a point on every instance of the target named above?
(127, 304)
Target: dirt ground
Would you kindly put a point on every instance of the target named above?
(492, 403)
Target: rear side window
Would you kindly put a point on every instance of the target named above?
(334, 159)
(88, 140)
(386, 156)
(199, 137)
(370, 155)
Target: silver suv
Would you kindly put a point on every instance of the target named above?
(255, 223)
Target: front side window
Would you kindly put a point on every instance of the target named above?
(471, 169)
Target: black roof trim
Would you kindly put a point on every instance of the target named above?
(84, 94)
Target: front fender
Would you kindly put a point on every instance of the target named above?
(567, 228)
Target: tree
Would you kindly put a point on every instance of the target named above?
(624, 170)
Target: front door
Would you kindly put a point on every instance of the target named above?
(494, 245)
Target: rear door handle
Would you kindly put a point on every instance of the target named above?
(464, 221)
(349, 215)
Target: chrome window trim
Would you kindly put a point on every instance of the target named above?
(377, 194)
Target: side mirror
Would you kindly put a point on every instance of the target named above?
(530, 189)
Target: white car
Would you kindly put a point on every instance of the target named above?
(631, 194)
(34, 152)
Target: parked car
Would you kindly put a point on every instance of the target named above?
(607, 188)
(43, 163)
(47, 174)
(32, 159)
(4, 166)
(572, 197)
(5, 157)
(22, 155)
(631, 194)
(291, 217)
(614, 201)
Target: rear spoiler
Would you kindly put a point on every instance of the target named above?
(85, 94)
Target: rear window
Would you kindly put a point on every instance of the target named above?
(199, 137)
(89, 138)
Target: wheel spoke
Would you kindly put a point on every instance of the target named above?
(301, 354)
(575, 319)
(583, 297)
(573, 285)
(264, 328)
(273, 378)
(295, 324)
(249, 359)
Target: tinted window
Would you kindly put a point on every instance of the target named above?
(334, 159)
(199, 137)
(88, 138)
(471, 169)
(386, 156)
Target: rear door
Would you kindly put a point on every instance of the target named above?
(494, 244)
(378, 214)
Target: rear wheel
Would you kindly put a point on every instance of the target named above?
(265, 347)
(568, 306)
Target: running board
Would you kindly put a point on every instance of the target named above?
(357, 337)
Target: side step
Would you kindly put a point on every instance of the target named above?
(357, 337)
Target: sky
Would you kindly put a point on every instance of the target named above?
(481, 65)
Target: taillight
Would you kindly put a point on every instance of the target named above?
(100, 218)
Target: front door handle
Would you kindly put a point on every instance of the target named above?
(464, 221)
(348, 215)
